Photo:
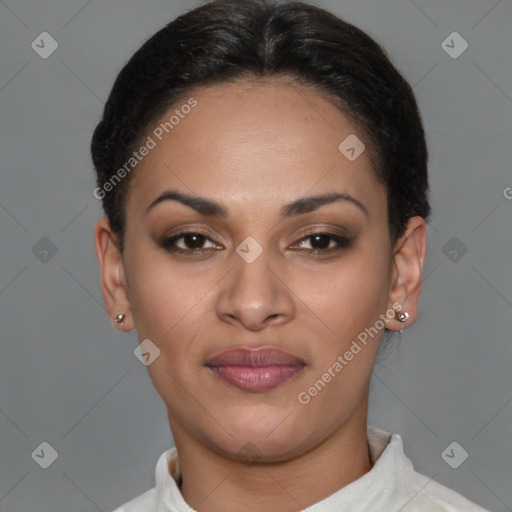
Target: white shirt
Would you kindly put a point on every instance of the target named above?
(392, 485)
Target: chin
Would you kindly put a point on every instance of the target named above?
(269, 444)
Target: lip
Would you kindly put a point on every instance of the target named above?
(254, 370)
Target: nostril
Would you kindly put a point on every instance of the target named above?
(271, 317)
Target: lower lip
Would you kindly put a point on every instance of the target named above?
(256, 379)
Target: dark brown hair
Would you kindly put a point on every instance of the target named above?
(226, 40)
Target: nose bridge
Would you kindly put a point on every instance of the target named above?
(252, 280)
(253, 294)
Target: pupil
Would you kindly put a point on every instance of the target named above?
(316, 238)
(197, 241)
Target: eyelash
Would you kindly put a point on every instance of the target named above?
(168, 243)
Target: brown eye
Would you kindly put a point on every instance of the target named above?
(324, 242)
(187, 242)
(193, 241)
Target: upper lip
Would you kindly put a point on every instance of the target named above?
(253, 357)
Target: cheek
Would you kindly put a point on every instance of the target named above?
(349, 303)
(347, 296)
(173, 307)
(348, 300)
(169, 308)
(163, 296)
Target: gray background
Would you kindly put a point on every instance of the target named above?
(67, 377)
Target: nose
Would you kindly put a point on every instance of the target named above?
(255, 295)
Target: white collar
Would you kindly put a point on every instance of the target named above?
(390, 485)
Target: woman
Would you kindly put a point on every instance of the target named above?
(263, 171)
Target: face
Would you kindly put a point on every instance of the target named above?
(234, 266)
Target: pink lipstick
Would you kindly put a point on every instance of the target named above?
(254, 369)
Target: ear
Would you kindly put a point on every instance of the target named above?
(409, 256)
(113, 280)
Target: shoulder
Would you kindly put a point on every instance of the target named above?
(153, 499)
(435, 497)
(428, 495)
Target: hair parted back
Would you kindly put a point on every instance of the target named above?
(226, 40)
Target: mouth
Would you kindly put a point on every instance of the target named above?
(254, 370)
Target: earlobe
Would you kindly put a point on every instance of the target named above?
(111, 265)
(409, 257)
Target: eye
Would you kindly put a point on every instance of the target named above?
(188, 242)
(322, 243)
(193, 242)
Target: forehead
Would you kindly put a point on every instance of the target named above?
(264, 140)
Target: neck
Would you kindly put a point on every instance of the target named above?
(216, 483)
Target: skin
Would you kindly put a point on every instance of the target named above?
(254, 147)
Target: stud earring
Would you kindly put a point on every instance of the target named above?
(402, 316)
(119, 319)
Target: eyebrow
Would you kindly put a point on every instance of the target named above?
(300, 206)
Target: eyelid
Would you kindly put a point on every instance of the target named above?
(209, 232)
(341, 242)
(324, 229)
(181, 233)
